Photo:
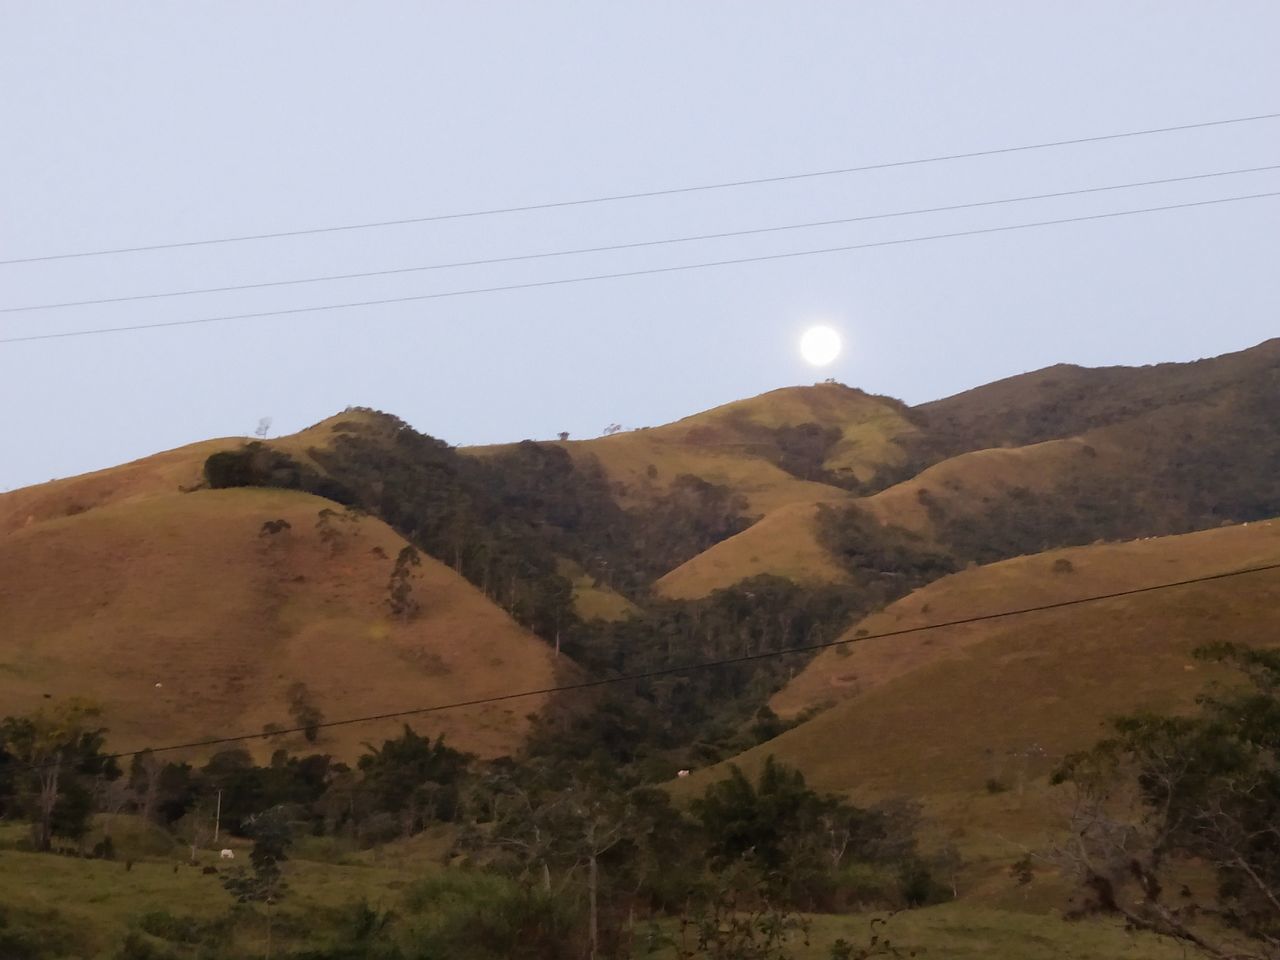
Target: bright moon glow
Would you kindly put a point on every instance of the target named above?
(820, 345)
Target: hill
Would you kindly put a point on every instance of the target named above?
(790, 445)
(186, 619)
(1058, 457)
(938, 715)
(782, 543)
(1066, 400)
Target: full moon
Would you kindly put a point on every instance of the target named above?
(820, 345)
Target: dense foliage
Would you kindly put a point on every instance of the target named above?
(651, 727)
(1166, 792)
(50, 764)
(551, 858)
(885, 562)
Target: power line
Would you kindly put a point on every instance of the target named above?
(638, 244)
(672, 191)
(702, 665)
(629, 273)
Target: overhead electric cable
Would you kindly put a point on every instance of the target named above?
(327, 278)
(701, 665)
(639, 195)
(628, 273)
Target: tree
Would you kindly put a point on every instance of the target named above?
(264, 883)
(400, 589)
(303, 710)
(795, 841)
(413, 778)
(1165, 791)
(60, 753)
(756, 820)
(572, 830)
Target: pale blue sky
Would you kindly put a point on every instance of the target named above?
(134, 123)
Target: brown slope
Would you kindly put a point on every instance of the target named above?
(783, 543)
(743, 445)
(160, 474)
(1062, 456)
(182, 590)
(1066, 400)
(1048, 678)
(1197, 446)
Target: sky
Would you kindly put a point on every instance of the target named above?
(149, 123)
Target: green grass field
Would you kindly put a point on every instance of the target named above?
(84, 909)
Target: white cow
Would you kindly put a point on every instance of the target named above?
(228, 854)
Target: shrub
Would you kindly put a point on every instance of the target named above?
(138, 947)
(917, 886)
(177, 929)
(473, 916)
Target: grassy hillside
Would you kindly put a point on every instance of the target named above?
(186, 620)
(1059, 457)
(1025, 581)
(163, 473)
(869, 430)
(1065, 400)
(593, 600)
(936, 715)
(783, 543)
(88, 907)
(755, 446)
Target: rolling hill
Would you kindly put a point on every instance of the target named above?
(1057, 457)
(790, 445)
(186, 619)
(1066, 400)
(783, 543)
(937, 715)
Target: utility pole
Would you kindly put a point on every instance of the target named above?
(217, 817)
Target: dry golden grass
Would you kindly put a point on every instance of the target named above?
(181, 590)
(965, 482)
(1021, 582)
(872, 428)
(163, 473)
(593, 600)
(783, 543)
(935, 715)
(726, 446)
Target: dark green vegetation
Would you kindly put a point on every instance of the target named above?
(884, 562)
(49, 763)
(550, 857)
(1175, 825)
(651, 728)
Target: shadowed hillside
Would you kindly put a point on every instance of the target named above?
(1066, 400)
